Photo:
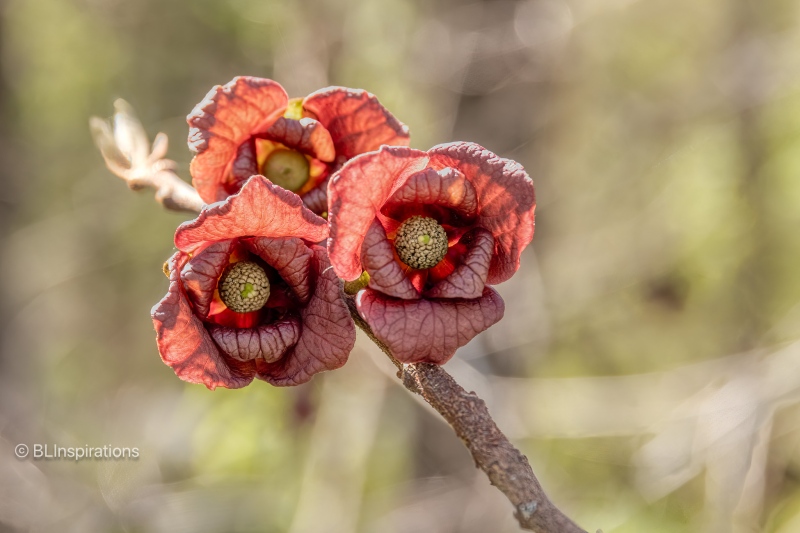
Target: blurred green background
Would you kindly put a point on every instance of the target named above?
(649, 360)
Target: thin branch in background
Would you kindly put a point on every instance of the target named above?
(125, 150)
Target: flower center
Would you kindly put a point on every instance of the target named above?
(287, 168)
(421, 242)
(244, 287)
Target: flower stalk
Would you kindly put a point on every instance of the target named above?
(505, 466)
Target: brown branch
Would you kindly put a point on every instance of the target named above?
(505, 466)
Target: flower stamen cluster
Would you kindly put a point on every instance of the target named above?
(244, 287)
(421, 242)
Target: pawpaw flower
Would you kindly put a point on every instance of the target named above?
(250, 126)
(433, 230)
(251, 294)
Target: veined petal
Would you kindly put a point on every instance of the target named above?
(290, 257)
(385, 272)
(425, 330)
(356, 193)
(317, 198)
(228, 116)
(305, 135)
(506, 200)
(201, 272)
(356, 120)
(445, 188)
(328, 333)
(469, 277)
(260, 209)
(245, 164)
(268, 342)
(185, 345)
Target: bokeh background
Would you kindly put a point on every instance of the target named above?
(649, 360)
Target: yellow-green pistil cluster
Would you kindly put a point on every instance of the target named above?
(244, 287)
(421, 242)
(287, 168)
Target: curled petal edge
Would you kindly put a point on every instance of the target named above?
(227, 117)
(356, 120)
(185, 345)
(428, 331)
(327, 337)
(260, 209)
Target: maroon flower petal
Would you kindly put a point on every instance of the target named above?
(356, 193)
(290, 257)
(317, 198)
(185, 345)
(428, 330)
(469, 277)
(506, 200)
(305, 135)
(447, 188)
(385, 273)
(201, 273)
(259, 209)
(227, 117)
(244, 165)
(358, 123)
(269, 342)
(327, 336)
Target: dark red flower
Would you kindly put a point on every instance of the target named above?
(249, 126)
(252, 295)
(433, 230)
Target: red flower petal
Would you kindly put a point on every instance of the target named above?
(469, 277)
(226, 118)
(356, 193)
(428, 330)
(385, 273)
(327, 336)
(305, 135)
(201, 273)
(447, 188)
(290, 257)
(185, 345)
(358, 123)
(269, 341)
(259, 209)
(506, 200)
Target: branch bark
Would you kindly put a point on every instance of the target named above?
(505, 466)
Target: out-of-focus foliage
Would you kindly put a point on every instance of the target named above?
(648, 363)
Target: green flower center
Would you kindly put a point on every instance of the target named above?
(287, 168)
(244, 287)
(421, 242)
